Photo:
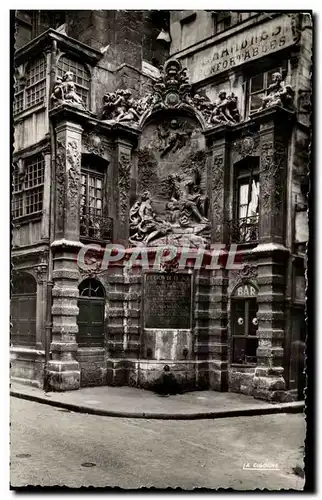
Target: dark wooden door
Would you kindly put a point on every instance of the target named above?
(90, 322)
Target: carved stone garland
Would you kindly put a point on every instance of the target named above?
(60, 182)
(73, 156)
(124, 185)
(272, 160)
(217, 188)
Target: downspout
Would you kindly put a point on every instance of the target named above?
(48, 328)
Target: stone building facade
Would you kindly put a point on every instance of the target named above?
(160, 131)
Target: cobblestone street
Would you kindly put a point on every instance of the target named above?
(49, 446)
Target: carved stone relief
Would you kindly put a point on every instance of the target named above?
(247, 273)
(173, 136)
(95, 144)
(171, 91)
(185, 217)
(246, 146)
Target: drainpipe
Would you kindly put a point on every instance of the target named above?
(48, 328)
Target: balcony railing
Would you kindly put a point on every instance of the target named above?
(244, 230)
(96, 227)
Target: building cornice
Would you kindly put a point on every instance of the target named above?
(64, 42)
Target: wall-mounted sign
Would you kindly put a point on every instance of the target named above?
(245, 290)
(248, 45)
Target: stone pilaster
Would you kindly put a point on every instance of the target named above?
(271, 256)
(217, 343)
(63, 371)
(269, 381)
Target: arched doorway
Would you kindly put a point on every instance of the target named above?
(244, 324)
(91, 304)
(23, 310)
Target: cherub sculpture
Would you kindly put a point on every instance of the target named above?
(64, 91)
(120, 106)
(278, 93)
(225, 110)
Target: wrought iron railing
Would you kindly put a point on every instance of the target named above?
(96, 227)
(244, 230)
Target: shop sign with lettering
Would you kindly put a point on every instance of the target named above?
(245, 46)
(245, 290)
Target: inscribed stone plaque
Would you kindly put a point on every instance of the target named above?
(167, 300)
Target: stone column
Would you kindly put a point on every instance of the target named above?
(271, 255)
(63, 371)
(217, 343)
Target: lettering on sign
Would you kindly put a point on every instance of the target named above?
(246, 291)
(167, 301)
(246, 46)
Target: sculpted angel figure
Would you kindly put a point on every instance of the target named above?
(173, 136)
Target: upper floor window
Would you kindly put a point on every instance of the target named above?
(81, 75)
(258, 87)
(28, 187)
(222, 20)
(31, 89)
(244, 226)
(94, 223)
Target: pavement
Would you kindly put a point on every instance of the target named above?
(55, 447)
(130, 402)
